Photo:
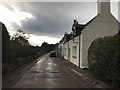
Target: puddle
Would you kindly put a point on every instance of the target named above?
(38, 61)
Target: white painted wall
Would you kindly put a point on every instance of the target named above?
(103, 25)
(71, 44)
(61, 48)
(66, 52)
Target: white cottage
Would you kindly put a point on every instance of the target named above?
(75, 48)
(104, 24)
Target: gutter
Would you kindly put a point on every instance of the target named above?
(79, 50)
(68, 51)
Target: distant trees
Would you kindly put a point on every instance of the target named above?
(45, 47)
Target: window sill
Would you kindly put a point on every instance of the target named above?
(74, 57)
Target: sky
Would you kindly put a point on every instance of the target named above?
(47, 21)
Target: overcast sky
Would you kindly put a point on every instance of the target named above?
(47, 21)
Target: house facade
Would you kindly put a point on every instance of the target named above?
(74, 47)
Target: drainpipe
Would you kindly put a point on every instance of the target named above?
(79, 49)
(68, 50)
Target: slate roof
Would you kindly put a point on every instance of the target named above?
(80, 27)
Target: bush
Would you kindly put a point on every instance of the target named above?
(22, 51)
(11, 52)
(6, 54)
(18, 51)
(104, 60)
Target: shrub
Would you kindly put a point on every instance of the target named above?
(104, 60)
(6, 54)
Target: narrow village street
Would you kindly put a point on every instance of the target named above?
(47, 72)
(60, 45)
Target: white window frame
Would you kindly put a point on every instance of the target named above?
(74, 51)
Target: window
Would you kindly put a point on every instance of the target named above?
(74, 52)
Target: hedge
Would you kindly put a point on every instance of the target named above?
(22, 51)
(104, 59)
(14, 54)
(6, 50)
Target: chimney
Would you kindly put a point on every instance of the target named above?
(103, 6)
(65, 32)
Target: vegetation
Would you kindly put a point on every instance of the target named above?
(21, 41)
(49, 48)
(6, 50)
(104, 59)
(18, 51)
(20, 38)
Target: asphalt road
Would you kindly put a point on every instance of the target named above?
(47, 72)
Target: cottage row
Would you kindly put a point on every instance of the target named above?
(74, 46)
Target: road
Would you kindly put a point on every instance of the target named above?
(47, 72)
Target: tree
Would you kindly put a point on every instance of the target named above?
(19, 38)
(44, 45)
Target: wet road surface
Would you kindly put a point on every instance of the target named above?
(48, 72)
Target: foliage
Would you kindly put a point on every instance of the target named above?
(18, 47)
(20, 39)
(45, 47)
(12, 50)
(6, 54)
(22, 51)
(104, 60)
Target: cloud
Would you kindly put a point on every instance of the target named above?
(49, 19)
(12, 15)
(38, 40)
(53, 18)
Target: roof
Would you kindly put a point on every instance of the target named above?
(69, 36)
(79, 28)
(91, 20)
